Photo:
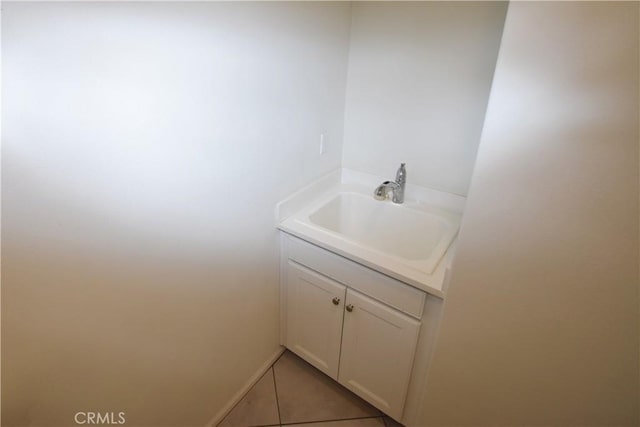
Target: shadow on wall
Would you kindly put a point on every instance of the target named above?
(145, 146)
(101, 315)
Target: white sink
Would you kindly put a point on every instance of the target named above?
(405, 241)
(418, 236)
(409, 242)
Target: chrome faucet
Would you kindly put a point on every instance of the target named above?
(397, 187)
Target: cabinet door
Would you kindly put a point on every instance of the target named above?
(315, 308)
(377, 352)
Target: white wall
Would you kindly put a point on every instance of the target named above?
(144, 147)
(418, 83)
(541, 319)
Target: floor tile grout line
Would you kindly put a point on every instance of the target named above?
(280, 423)
(245, 395)
(284, 424)
(275, 387)
(281, 354)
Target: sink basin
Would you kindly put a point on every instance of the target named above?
(411, 242)
(410, 235)
(383, 226)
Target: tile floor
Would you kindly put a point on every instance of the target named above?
(293, 392)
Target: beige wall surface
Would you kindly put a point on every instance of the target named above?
(144, 147)
(418, 84)
(541, 319)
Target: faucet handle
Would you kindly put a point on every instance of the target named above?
(380, 193)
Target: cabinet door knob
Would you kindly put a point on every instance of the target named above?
(350, 308)
(336, 300)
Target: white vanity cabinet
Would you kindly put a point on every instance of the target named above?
(356, 325)
(378, 346)
(315, 309)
